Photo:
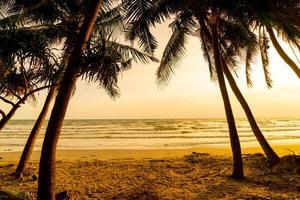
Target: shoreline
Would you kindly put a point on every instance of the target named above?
(111, 154)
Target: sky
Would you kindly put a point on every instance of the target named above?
(189, 94)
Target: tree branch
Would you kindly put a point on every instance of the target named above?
(15, 94)
(7, 101)
(3, 114)
(282, 53)
(36, 90)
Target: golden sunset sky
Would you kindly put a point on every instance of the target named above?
(190, 93)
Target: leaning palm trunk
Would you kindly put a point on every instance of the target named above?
(34, 133)
(47, 171)
(238, 171)
(10, 114)
(15, 107)
(270, 153)
(281, 52)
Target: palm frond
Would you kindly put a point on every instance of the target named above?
(128, 52)
(182, 27)
(106, 59)
(109, 21)
(205, 38)
(135, 16)
(264, 45)
(251, 52)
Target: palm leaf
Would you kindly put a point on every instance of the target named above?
(264, 45)
(128, 52)
(205, 38)
(251, 51)
(182, 27)
(135, 15)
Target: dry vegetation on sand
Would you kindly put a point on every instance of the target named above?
(196, 176)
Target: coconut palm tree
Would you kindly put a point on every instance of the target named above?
(19, 80)
(26, 154)
(137, 26)
(95, 56)
(141, 15)
(25, 50)
(266, 16)
(108, 21)
(238, 171)
(30, 143)
(282, 16)
(30, 44)
(271, 155)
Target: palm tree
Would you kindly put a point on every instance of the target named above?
(266, 16)
(141, 15)
(238, 171)
(103, 60)
(30, 44)
(107, 20)
(270, 153)
(95, 56)
(30, 143)
(206, 36)
(282, 16)
(25, 51)
(47, 169)
(46, 186)
(26, 154)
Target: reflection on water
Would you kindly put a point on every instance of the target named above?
(151, 134)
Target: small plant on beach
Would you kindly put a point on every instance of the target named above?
(13, 195)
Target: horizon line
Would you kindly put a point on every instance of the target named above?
(175, 118)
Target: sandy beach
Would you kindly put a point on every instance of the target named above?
(149, 100)
(75, 155)
(201, 173)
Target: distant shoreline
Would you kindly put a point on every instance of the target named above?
(199, 118)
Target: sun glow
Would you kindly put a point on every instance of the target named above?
(189, 94)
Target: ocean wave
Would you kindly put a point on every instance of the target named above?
(150, 133)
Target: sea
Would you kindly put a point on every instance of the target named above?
(151, 133)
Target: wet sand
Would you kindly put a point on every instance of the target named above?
(74, 155)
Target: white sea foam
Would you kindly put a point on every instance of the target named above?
(151, 134)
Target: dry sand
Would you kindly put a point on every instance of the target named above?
(161, 174)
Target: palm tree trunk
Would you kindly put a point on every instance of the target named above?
(281, 52)
(270, 153)
(34, 133)
(15, 107)
(47, 171)
(11, 113)
(238, 172)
